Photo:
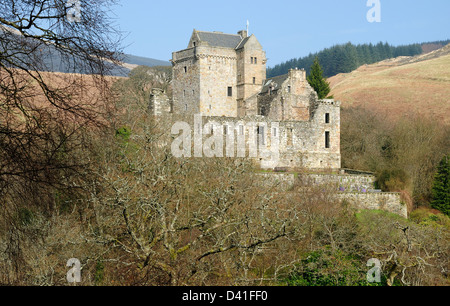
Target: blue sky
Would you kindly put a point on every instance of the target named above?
(285, 28)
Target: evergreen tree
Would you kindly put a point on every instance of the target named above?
(346, 58)
(441, 187)
(317, 81)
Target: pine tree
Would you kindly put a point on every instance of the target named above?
(317, 81)
(441, 187)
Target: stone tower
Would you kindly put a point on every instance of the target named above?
(216, 73)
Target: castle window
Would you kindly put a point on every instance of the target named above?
(327, 118)
(185, 69)
(289, 89)
(230, 91)
(261, 136)
(256, 60)
(254, 80)
(195, 43)
(327, 140)
(289, 137)
(252, 60)
(185, 107)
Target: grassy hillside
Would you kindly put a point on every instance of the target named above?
(400, 86)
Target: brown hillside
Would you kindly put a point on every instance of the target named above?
(82, 98)
(400, 86)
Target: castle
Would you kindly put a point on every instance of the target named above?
(223, 77)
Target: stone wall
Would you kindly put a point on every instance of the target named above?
(299, 144)
(343, 182)
(304, 142)
(217, 69)
(283, 181)
(251, 63)
(186, 82)
(390, 202)
(159, 103)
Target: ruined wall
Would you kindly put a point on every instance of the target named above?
(304, 143)
(290, 99)
(160, 103)
(299, 144)
(248, 107)
(325, 120)
(297, 96)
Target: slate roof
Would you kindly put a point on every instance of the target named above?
(276, 82)
(216, 39)
(243, 42)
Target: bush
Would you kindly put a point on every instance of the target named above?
(393, 180)
(123, 133)
(430, 217)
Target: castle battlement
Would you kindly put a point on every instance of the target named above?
(329, 102)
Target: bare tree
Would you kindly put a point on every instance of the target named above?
(411, 254)
(42, 113)
(183, 221)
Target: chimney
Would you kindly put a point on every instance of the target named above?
(243, 33)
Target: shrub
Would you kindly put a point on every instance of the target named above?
(393, 180)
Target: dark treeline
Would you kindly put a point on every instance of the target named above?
(348, 57)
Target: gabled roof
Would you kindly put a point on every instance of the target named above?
(217, 39)
(274, 82)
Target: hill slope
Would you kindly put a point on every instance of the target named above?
(143, 61)
(400, 86)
